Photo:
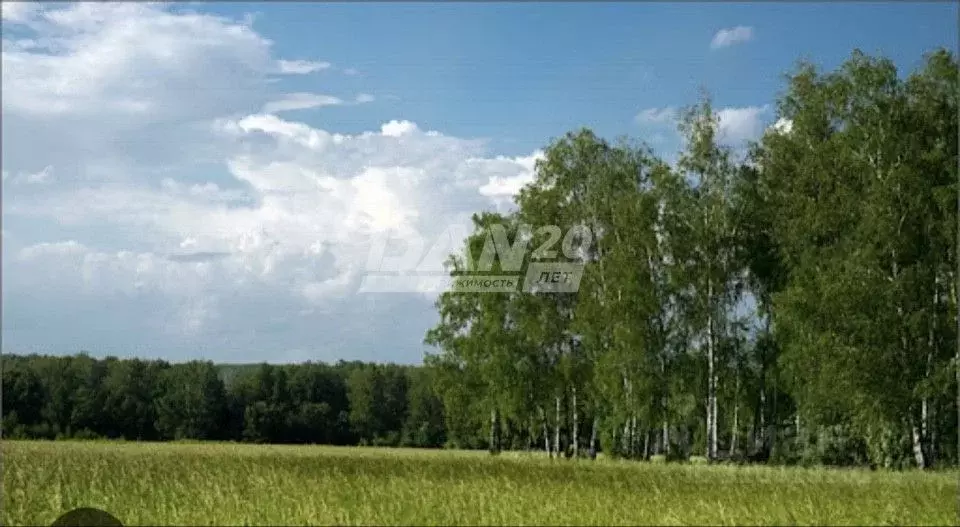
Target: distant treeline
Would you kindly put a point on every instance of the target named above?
(349, 403)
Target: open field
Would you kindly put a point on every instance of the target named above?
(206, 484)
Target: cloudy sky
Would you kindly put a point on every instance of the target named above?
(209, 180)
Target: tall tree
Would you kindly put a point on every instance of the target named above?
(713, 226)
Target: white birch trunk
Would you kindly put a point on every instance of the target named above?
(762, 425)
(711, 379)
(918, 454)
(736, 428)
(633, 437)
(666, 437)
(915, 435)
(932, 442)
(494, 440)
(627, 431)
(773, 424)
(931, 347)
(593, 438)
(576, 424)
(925, 430)
(798, 431)
(556, 437)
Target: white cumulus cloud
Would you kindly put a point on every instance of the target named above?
(731, 36)
(398, 128)
(31, 178)
(300, 67)
(185, 216)
(19, 11)
(663, 115)
(301, 101)
(737, 125)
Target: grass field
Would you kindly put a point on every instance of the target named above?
(219, 484)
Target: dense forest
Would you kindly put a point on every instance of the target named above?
(793, 302)
(349, 403)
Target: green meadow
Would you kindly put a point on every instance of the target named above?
(236, 484)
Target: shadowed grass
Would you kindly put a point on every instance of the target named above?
(219, 484)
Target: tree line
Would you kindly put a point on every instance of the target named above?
(348, 403)
(794, 302)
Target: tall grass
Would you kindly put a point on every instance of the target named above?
(219, 484)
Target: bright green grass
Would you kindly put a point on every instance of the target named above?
(206, 484)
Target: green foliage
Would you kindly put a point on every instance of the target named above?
(152, 400)
(839, 228)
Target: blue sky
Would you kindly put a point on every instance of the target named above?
(207, 180)
(523, 72)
